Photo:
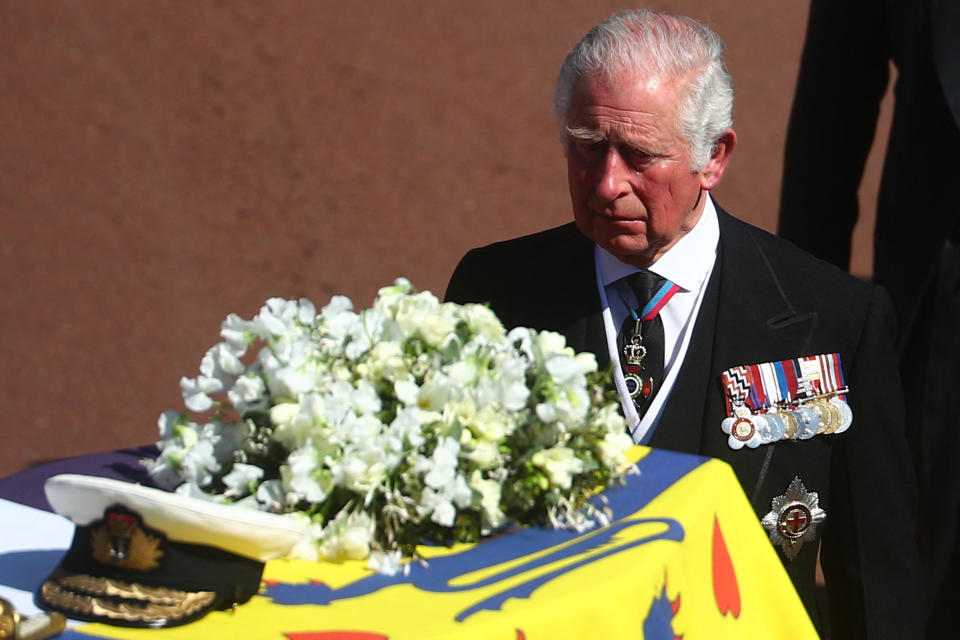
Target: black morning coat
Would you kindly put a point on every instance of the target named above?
(844, 74)
(766, 301)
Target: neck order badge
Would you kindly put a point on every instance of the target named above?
(641, 338)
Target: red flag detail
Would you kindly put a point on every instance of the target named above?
(725, 589)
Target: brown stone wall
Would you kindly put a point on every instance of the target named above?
(163, 164)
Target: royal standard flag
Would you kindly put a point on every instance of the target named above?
(683, 556)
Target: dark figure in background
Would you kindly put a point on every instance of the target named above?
(843, 76)
(644, 106)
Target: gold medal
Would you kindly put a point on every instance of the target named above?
(830, 416)
(789, 425)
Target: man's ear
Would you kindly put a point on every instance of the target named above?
(717, 164)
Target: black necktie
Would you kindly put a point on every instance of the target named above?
(641, 355)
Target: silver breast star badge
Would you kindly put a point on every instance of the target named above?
(793, 518)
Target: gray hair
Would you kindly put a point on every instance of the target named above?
(650, 44)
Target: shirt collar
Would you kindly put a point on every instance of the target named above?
(686, 263)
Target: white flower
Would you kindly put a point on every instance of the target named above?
(387, 563)
(238, 333)
(511, 376)
(248, 391)
(613, 449)
(347, 536)
(489, 491)
(441, 467)
(439, 506)
(373, 424)
(305, 476)
(407, 392)
(221, 362)
(195, 392)
(490, 424)
(271, 496)
(560, 463)
(363, 468)
(482, 321)
(550, 343)
(241, 479)
(485, 454)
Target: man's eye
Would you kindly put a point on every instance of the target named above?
(592, 146)
(590, 149)
(639, 159)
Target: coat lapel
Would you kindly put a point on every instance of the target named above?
(747, 317)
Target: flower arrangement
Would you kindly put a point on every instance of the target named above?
(411, 420)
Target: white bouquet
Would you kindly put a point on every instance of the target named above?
(411, 420)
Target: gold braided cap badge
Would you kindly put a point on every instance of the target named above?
(121, 542)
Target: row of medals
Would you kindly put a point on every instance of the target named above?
(797, 420)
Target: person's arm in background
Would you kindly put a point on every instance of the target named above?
(843, 76)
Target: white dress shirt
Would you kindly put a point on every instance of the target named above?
(689, 264)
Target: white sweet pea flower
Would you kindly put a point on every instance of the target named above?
(195, 392)
(408, 425)
(347, 537)
(439, 506)
(221, 362)
(295, 380)
(566, 405)
(442, 466)
(482, 321)
(550, 343)
(511, 377)
(272, 497)
(275, 318)
(306, 312)
(369, 328)
(305, 475)
(165, 470)
(248, 392)
(564, 369)
(362, 468)
(438, 327)
(295, 423)
(613, 449)
(167, 423)
(385, 360)
(306, 547)
(242, 480)
(238, 333)
(523, 339)
(355, 538)
(366, 400)
(560, 464)
(407, 392)
(464, 372)
(389, 297)
(191, 490)
(485, 454)
(587, 361)
(387, 563)
(436, 391)
(198, 463)
(490, 424)
(490, 491)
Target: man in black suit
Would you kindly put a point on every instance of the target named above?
(644, 103)
(843, 76)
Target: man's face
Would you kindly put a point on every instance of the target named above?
(628, 167)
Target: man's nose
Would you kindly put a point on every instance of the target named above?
(613, 181)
